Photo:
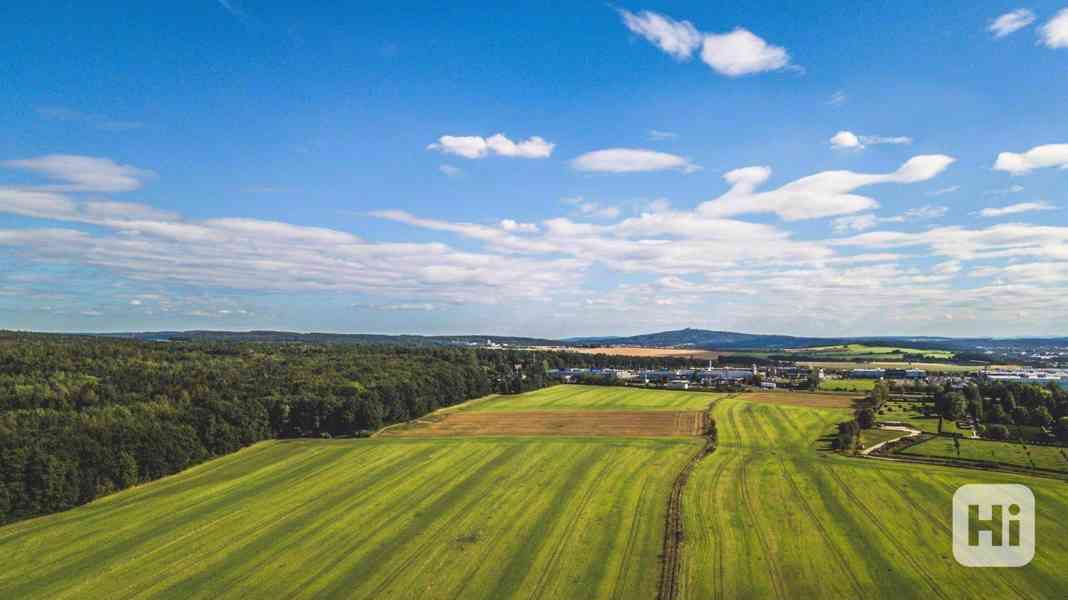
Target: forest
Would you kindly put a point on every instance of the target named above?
(83, 416)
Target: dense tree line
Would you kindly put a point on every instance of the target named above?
(83, 416)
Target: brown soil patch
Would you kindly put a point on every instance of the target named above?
(807, 399)
(569, 423)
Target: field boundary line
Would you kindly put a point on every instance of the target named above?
(668, 585)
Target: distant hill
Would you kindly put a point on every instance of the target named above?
(702, 339)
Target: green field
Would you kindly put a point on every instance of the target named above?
(870, 437)
(884, 363)
(847, 385)
(851, 351)
(593, 397)
(453, 518)
(769, 515)
(910, 413)
(1010, 453)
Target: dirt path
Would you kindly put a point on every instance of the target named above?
(908, 432)
(668, 587)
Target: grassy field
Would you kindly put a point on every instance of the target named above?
(890, 364)
(594, 397)
(1010, 453)
(378, 518)
(809, 399)
(769, 514)
(870, 437)
(847, 385)
(910, 413)
(851, 351)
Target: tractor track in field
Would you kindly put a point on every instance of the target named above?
(835, 550)
(431, 537)
(931, 581)
(717, 534)
(747, 502)
(624, 565)
(938, 524)
(539, 588)
(668, 584)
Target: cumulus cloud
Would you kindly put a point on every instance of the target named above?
(734, 54)
(474, 146)
(1054, 34)
(824, 194)
(83, 173)
(1049, 155)
(632, 160)
(1013, 209)
(740, 52)
(1011, 22)
(847, 140)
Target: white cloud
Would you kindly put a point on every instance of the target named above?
(944, 191)
(657, 135)
(101, 210)
(825, 194)
(586, 208)
(1011, 22)
(1012, 189)
(838, 98)
(83, 173)
(1013, 209)
(856, 223)
(1049, 155)
(847, 140)
(512, 225)
(475, 146)
(631, 160)
(450, 170)
(678, 38)
(1054, 33)
(739, 52)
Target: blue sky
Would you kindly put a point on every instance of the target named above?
(577, 169)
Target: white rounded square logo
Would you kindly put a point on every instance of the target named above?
(993, 525)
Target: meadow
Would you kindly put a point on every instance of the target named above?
(847, 385)
(853, 351)
(1009, 453)
(594, 397)
(772, 514)
(371, 518)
